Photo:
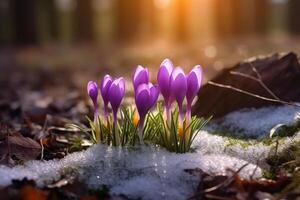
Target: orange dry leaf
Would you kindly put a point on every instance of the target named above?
(28, 192)
(266, 185)
(88, 198)
(47, 142)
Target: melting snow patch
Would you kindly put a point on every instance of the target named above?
(150, 172)
(249, 150)
(146, 171)
(258, 122)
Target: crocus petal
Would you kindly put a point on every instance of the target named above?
(154, 92)
(116, 93)
(92, 90)
(178, 85)
(194, 79)
(163, 78)
(145, 98)
(105, 85)
(142, 99)
(140, 76)
(168, 64)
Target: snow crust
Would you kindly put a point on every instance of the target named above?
(258, 122)
(146, 172)
(249, 150)
(151, 172)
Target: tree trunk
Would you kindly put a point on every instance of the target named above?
(25, 21)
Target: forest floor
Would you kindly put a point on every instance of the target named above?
(43, 89)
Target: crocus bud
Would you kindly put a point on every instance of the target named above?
(135, 119)
(180, 131)
(140, 76)
(163, 80)
(178, 87)
(145, 98)
(115, 95)
(194, 79)
(105, 85)
(92, 90)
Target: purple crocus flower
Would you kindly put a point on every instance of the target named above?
(140, 76)
(178, 87)
(145, 98)
(105, 85)
(115, 95)
(92, 90)
(163, 80)
(194, 79)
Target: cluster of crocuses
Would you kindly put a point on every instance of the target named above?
(172, 83)
(112, 91)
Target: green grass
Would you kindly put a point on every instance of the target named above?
(174, 135)
(286, 162)
(103, 130)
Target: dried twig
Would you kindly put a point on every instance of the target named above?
(7, 141)
(255, 169)
(224, 183)
(252, 94)
(210, 196)
(258, 79)
(289, 162)
(227, 181)
(42, 137)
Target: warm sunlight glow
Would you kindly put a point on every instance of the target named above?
(65, 5)
(102, 5)
(162, 4)
(210, 51)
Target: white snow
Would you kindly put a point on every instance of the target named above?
(252, 151)
(150, 172)
(146, 171)
(258, 122)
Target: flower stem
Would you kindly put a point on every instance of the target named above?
(114, 132)
(188, 121)
(181, 115)
(105, 112)
(96, 112)
(96, 122)
(140, 128)
(168, 112)
(188, 111)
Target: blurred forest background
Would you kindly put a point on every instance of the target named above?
(115, 35)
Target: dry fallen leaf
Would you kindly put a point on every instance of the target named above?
(29, 192)
(23, 148)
